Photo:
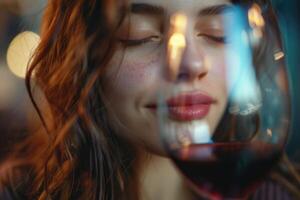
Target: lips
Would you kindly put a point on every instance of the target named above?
(187, 107)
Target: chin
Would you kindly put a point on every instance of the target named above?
(156, 149)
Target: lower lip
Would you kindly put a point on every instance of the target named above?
(189, 112)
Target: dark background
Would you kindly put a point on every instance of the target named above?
(289, 15)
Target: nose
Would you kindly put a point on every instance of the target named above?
(185, 58)
(192, 65)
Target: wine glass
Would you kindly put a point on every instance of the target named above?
(224, 112)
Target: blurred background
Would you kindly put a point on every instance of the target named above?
(17, 116)
(288, 13)
(19, 29)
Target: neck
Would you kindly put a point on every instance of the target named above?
(161, 180)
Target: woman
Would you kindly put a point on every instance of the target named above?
(99, 65)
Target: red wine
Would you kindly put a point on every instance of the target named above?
(228, 170)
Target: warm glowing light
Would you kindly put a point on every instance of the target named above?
(20, 52)
(179, 21)
(255, 17)
(279, 55)
(184, 139)
(256, 21)
(177, 42)
(269, 132)
(176, 46)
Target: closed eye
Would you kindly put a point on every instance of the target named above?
(213, 38)
(137, 42)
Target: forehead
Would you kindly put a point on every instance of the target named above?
(188, 6)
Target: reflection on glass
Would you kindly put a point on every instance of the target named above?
(224, 114)
(176, 43)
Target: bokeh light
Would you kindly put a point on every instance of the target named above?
(278, 55)
(20, 51)
(255, 17)
(177, 42)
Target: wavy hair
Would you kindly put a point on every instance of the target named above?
(77, 156)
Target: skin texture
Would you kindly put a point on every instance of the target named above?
(137, 74)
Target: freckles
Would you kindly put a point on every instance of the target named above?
(136, 74)
(133, 72)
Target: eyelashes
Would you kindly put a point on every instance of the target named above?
(214, 38)
(155, 39)
(139, 42)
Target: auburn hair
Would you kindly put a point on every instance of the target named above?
(77, 156)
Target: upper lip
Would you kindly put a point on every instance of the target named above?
(186, 99)
(189, 99)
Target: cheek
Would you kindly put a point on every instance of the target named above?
(219, 68)
(216, 61)
(218, 76)
(134, 75)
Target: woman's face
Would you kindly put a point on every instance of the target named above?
(138, 73)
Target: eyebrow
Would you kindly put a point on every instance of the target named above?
(151, 9)
(214, 10)
(144, 8)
